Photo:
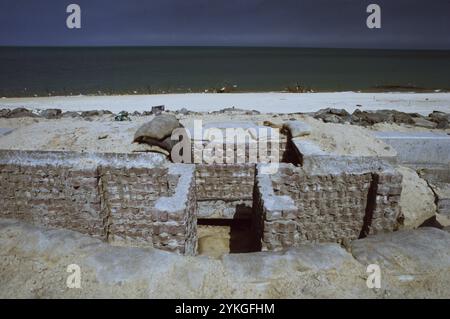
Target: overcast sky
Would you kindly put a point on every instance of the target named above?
(406, 24)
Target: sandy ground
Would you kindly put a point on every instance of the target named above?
(100, 135)
(213, 241)
(345, 139)
(103, 134)
(423, 103)
(34, 262)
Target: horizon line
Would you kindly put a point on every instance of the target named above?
(222, 46)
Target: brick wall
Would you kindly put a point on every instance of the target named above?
(52, 196)
(130, 195)
(224, 182)
(116, 197)
(298, 206)
(129, 199)
(232, 180)
(386, 211)
(250, 152)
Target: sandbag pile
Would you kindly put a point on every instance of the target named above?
(157, 133)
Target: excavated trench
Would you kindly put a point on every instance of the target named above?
(227, 221)
(342, 199)
(225, 213)
(231, 229)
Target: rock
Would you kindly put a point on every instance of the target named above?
(443, 220)
(297, 128)
(330, 115)
(157, 129)
(51, 114)
(331, 118)
(421, 122)
(136, 113)
(4, 113)
(389, 116)
(442, 192)
(418, 251)
(21, 112)
(229, 110)
(70, 114)
(183, 111)
(441, 119)
(368, 118)
(339, 112)
(401, 117)
(443, 124)
(417, 199)
(157, 109)
(103, 136)
(122, 116)
(95, 113)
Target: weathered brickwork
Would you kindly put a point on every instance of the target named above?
(250, 152)
(130, 194)
(175, 220)
(224, 182)
(298, 206)
(119, 203)
(51, 196)
(127, 199)
(231, 180)
(386, 213)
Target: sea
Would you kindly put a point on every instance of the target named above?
(46, 71)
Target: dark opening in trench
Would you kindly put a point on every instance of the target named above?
(218, 236)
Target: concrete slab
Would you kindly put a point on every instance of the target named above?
(5, 131)
(314, 159)
(419, 148)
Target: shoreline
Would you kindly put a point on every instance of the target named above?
(271, 102)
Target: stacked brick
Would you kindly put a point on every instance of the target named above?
(174, 217)
(234, 152)
(386, 212)
(274, 218)
(190, 221)
(114, 202)
(130, 194)
(297, 206)
(224, 182)
(52, 196)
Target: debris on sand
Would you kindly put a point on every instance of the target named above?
(51, 114)
(122, 116)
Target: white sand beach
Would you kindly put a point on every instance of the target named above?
(274, 102)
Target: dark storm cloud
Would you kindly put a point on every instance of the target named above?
(412, 24)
